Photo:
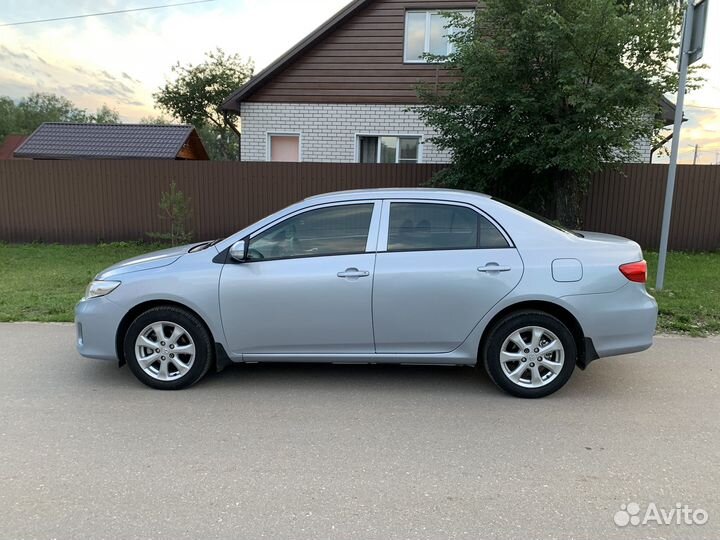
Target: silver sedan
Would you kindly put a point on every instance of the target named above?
(417, 276)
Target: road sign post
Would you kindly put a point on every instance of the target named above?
(691, 50)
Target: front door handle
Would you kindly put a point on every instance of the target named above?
(493, 267)
(353, 273)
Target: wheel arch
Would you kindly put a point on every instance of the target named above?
(130, 316)
(586, 352)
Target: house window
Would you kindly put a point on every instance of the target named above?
(284, 147)
(388, 149)
(426, 32)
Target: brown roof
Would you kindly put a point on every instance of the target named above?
(10, 144)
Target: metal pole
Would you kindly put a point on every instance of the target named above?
(670, 189)
(695, 156)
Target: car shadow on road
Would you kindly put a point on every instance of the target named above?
(318, 377)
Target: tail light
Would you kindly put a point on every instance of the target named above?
(635, 271)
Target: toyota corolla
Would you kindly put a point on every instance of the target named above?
(416, 276)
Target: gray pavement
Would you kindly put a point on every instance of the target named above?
(315, 452)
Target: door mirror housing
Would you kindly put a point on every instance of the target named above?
(238, 251)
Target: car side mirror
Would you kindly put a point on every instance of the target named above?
(238, 251)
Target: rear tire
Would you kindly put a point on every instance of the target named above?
(168, 348)
(530, 354)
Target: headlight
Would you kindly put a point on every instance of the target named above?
(100, 288)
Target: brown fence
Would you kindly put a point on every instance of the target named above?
(630, 203)
(90, 201)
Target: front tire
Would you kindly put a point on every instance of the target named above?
(168, 348)
(530, 354)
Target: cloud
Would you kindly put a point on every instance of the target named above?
(121, 60)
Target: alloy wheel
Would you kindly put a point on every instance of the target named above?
(165, 350)
(532, 356)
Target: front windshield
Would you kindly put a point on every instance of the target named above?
(543, 219)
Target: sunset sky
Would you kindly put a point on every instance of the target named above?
(120, 60)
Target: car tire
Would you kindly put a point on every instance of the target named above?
(168, 348)
(529, 354)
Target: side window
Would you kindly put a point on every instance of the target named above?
(429, 226)
(334, 230)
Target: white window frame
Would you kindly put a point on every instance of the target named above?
(397, 146)
(426, 47)
(268, 142)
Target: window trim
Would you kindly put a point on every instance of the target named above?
(426, 45)
(420, 139)
(268, 144)
(382, 246)
(370, 245)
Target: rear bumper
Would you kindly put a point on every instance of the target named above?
(96, 323)
(620, 322)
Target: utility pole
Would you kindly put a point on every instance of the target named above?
(691, 50)
(695, 156)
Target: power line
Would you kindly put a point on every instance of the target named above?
(105, 13)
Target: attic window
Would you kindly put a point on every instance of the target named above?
(426, 32)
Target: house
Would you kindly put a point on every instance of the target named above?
(342, 94)
(10, 144)
(56, 140)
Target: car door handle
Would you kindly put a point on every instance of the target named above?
(493, 267)
(353, 273)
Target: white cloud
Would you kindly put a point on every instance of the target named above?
(144, 46)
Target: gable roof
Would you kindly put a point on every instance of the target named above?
(58, 140)
(232, 102)
(10, 144)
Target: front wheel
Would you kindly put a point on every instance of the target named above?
(530, 354)
(168, 348)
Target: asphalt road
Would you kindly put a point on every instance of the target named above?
(316, 452)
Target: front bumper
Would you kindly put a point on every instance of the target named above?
(619, 322)
(96, 322)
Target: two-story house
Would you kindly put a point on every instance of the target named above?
(342, 94)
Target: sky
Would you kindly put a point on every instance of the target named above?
(120, 60)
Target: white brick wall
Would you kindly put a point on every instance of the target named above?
(328, 132)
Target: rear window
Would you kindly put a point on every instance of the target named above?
(540, 218)
(430, 226)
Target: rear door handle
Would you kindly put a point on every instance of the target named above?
(493, 267)
(353, 273)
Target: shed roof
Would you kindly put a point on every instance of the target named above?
(58, 140)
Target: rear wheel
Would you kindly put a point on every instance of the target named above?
(168, 348)
(530, 354)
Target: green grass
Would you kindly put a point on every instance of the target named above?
(690, 300)
(43, 282)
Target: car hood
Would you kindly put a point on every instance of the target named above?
(156, 259)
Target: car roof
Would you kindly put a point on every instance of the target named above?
(397, 193)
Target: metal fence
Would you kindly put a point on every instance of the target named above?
(629, 203)
(91, 201)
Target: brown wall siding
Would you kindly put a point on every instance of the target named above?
(90, 201)
(361, 61)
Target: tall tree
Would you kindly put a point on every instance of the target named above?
(197, 91)
(550, 91)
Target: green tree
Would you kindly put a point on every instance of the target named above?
(104, 115)
(28, 113)
(175, 208)
(195, 95)
(549, 92)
